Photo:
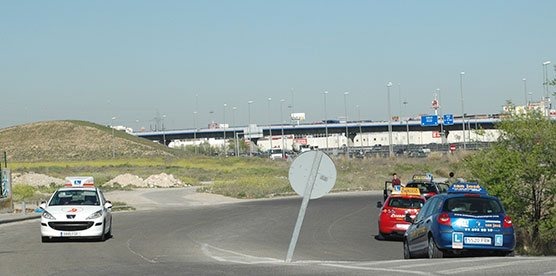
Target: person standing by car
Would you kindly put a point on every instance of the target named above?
(395, 180)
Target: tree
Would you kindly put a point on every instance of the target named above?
(520, 169)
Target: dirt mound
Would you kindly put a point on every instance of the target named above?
(162, 180)
(35, 179)
(75, 140)
(127, 179)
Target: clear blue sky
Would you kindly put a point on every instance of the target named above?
(92, 60)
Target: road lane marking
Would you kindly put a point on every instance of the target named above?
(137, 254)
(444, 261)
(508, 263)
(236, 257)
(378, 269)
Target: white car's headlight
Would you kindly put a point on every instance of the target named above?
(47, 215)
(95, 215)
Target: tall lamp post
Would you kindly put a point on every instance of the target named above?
(545, 78)
(406, 125)
(441, 115)
(525, 89)
(269, 125)
(163, 130)
(113, 143)
(346, 115)
(325, 120)
(236, 142)
(390, 146)
(400, 98)
(195, 130)
(224, 125)
(249, 127)
(462, 108)
(282, 125)
(360, 129)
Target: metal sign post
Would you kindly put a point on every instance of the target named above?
(311, 175)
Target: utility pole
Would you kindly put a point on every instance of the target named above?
(462, 108)
(390, 146)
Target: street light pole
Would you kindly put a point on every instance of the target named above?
(400, 98)
(525, 89)
(462, 108)
(282, 125)
(163, 130)
(443, 137)
(325, 120)
(346, 115)
(406, 125)
(234, 128)
(195, 130)
(269, 125)
(249, 127)
(224, 125)
(113, 143)
(360, 129)
(390, 146)
(545, 78)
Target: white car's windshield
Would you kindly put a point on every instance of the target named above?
(75, 197)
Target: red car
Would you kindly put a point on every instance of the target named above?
(391, 221)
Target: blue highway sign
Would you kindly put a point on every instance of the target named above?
(448, 119)
(429, 120)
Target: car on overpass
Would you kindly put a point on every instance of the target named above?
(465, 221)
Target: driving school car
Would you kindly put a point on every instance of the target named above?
(465, 221)
(76, 211)
(427, 186)
(401, 202)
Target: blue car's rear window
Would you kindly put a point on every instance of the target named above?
(472, 206)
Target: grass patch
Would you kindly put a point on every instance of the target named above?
(243, 177)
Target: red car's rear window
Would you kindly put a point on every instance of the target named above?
(406, 202)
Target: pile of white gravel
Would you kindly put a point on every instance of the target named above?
(162, 180)
(35, 179)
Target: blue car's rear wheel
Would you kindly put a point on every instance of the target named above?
(406, 252)
(433, 250)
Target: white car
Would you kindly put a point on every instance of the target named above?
(76, 211)
(276, 154)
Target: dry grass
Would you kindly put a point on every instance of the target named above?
(250, 177)
(74, 140)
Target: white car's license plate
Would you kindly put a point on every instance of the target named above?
(70, 234)
(402, 226)
(477, 240)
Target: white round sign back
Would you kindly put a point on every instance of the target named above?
(300, 172)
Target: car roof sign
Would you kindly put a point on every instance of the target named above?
(422, 177)
(467, 188)
(79, 181)
(406, 191)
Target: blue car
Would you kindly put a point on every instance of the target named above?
(465, 221)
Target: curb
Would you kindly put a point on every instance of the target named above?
(34, 216)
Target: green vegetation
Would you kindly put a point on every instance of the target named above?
(245, 177)
(520, 169)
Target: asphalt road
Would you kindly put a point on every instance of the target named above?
(246, 238)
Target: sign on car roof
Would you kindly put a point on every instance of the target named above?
(79, 181)
(422, 177)
(406, 191)
(467, 188)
